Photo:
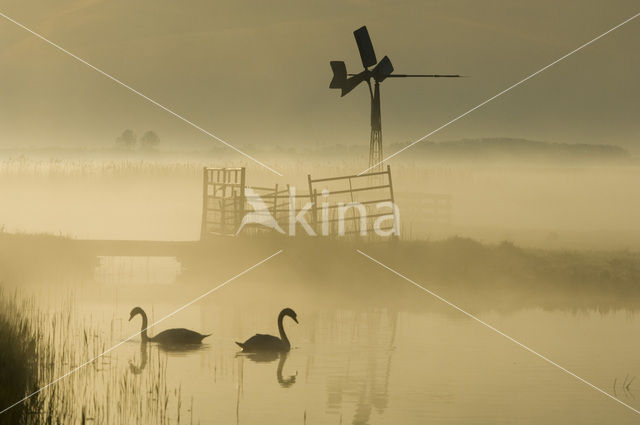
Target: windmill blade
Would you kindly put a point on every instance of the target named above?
(340, 80)
(365, 47)
(382, 70)
(339, 74)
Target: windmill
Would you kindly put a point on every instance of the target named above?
(381, 70)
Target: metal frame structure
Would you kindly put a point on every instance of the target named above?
(380, 71)
(368, 190)
(225, 202)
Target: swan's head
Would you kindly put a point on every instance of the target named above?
(289, 312)
(136, 311)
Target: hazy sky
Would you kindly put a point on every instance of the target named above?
(257, 72)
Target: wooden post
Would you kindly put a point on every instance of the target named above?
(205, 199)
(275, 204)
(390, 183)
(289, 206)
(393, 202)
(242, 200)
(356, 224)
(236, 212)
(315, 210)
(223, 210)
(350, 189)
(314, 218)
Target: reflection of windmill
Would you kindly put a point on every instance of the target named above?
(364, 383)
(383, 69)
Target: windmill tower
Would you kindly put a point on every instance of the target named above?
(380, 71)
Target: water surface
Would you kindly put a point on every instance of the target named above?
(377, 362)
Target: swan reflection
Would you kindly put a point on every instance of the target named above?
(181, 349)
(137, 370)
(285, 383)
(269, 357)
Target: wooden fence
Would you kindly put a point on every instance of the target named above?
(345, 205)
(350, 204)
(223, 200)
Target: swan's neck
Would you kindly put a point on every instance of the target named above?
(283, 336)
(145, 324)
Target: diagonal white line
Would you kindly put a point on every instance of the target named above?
(74, 370)
(175, 114)
(502, 92)
(515, 341)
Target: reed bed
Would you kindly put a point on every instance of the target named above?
(23, 166)
(39, 346)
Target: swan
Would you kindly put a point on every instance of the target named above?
(260, 342)
(178, 336)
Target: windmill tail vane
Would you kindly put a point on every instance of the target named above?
(382, 70)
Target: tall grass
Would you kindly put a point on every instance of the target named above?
(22, 167)
(36, 348)
(18, 365)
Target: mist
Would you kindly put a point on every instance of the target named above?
(237, 253)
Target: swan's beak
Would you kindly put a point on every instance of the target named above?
(130, 317)
(295, 318)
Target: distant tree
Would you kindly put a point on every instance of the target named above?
(149, 140)
(127, 140)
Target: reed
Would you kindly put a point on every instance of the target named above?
(18, 371)
(38, 347)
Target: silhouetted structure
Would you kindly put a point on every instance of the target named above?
(384, 69)
(343, 205)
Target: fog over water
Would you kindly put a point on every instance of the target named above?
(509, 295)
(380, 353)
(370, 348)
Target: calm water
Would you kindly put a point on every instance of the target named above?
(366, 365)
